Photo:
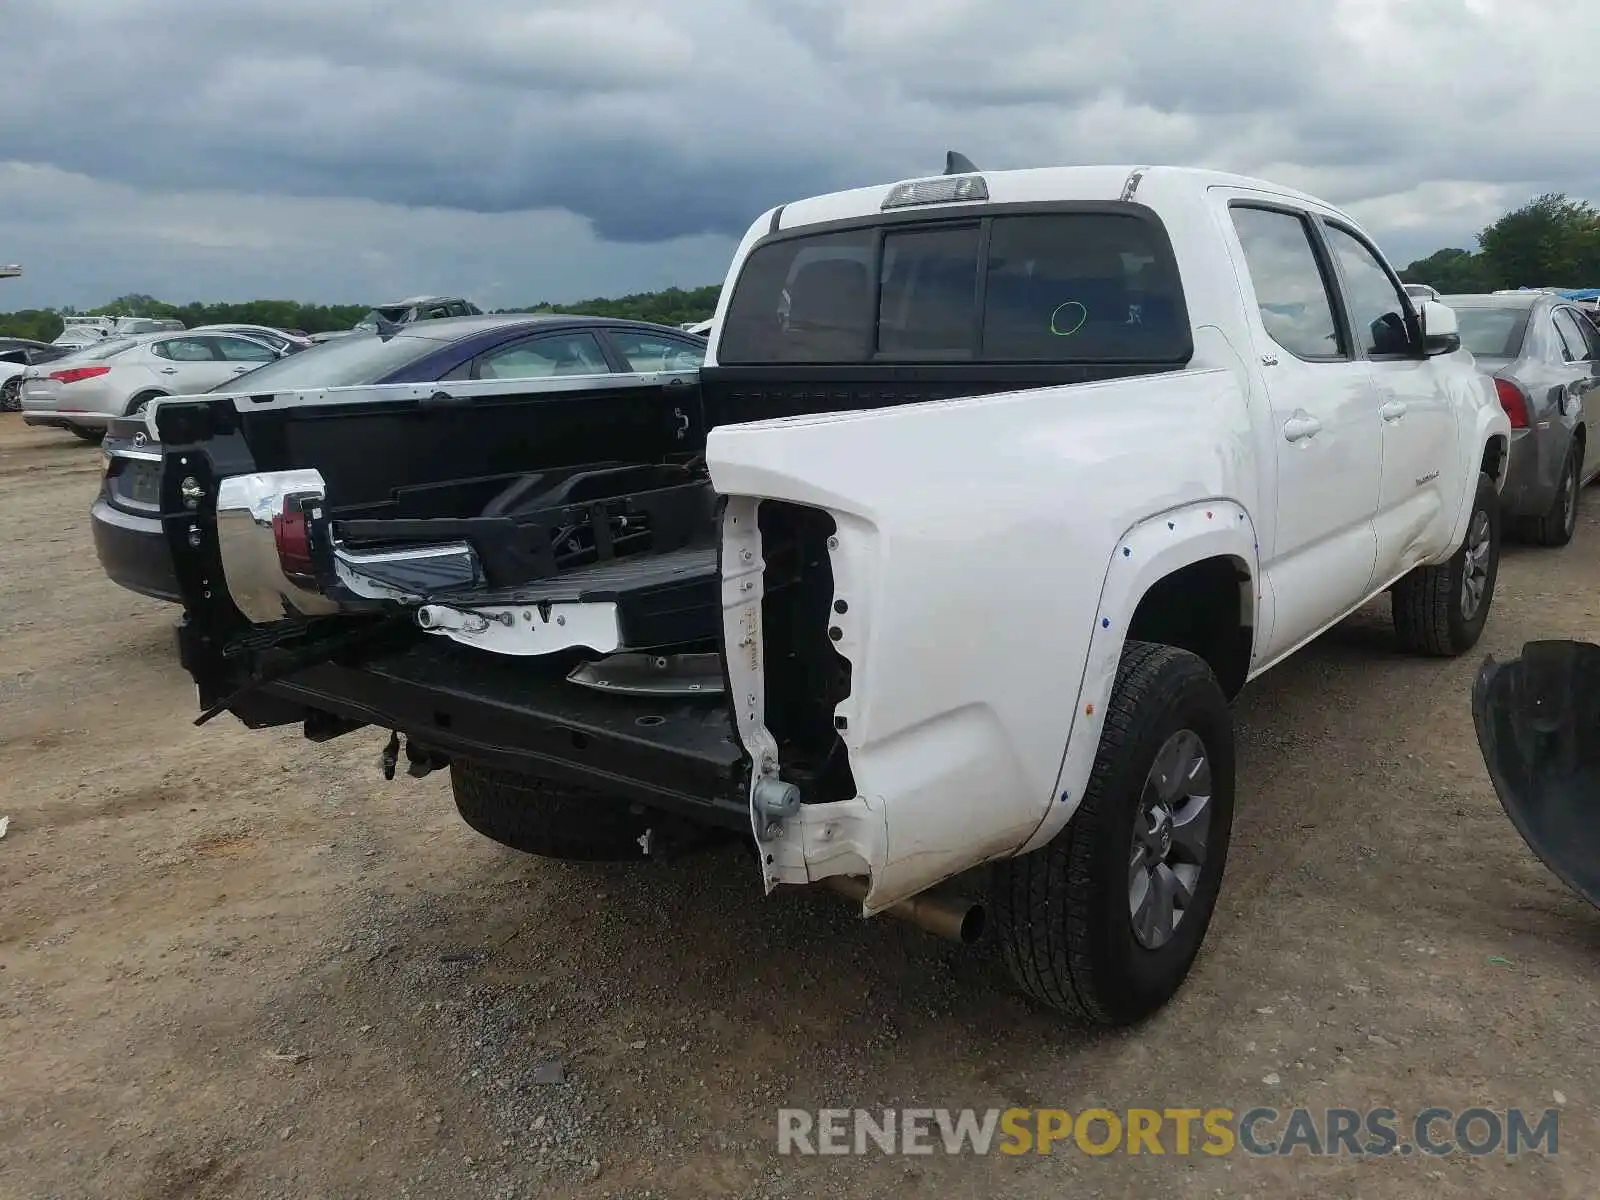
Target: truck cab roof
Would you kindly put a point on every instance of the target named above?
(1032, 185)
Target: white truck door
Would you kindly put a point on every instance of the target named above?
(1417, 497)
(1322, 433)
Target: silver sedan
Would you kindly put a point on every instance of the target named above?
(116, 378)
(1543, 354)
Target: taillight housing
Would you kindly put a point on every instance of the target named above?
(1514, 400)
(78, 374)
(293, 536)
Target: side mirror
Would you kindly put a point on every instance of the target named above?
(1441, 334)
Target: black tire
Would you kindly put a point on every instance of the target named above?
(1062, 914)
(1427, 605)
(140, 401)
(87, 434)
(549, 819)
(1556, 527)
(11, 394)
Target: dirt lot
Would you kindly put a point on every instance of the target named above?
(237, 964)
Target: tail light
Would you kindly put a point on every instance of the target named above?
(78, 374)
(293, 536)
(1514, 401)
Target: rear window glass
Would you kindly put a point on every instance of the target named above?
(348, 361)
(1056, 287)
(1492, 332)
(107, 349)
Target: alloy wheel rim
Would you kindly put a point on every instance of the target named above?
(1169, 839)
(1475, 566)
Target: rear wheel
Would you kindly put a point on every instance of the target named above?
(88, 434)
(565, 821)
(1104, 922)
(1556, 527)
(141, 402)
(11, 394)
(1441, 610)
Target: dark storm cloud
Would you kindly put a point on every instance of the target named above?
(485, 109)
(661, 119)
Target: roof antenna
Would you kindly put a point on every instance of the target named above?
(958, 164)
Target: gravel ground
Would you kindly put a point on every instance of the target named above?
(239, 964)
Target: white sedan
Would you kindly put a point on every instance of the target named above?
(118, 377)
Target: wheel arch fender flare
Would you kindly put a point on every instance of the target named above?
(1149, 551)
(1491, 433)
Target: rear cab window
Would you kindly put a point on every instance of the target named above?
(1096, 285)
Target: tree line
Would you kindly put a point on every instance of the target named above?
(674, 306)
(1552, 241)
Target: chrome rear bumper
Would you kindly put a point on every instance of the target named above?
(281, 560)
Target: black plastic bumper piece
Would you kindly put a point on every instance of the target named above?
(1538, 725)
(133, 552)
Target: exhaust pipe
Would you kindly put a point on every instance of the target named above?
(949, 917)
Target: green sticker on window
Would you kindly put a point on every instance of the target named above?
(1072, 322)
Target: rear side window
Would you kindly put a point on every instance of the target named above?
(185, 350)
(1577, 346)
(1591, 334)
(649, 353)
(545, 357)
(1027, 288)
(238, 349)
(1291, 291)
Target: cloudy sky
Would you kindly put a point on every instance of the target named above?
(518, 150)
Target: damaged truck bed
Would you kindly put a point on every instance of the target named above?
(565, 620)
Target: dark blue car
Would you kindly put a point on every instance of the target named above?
(127, 532)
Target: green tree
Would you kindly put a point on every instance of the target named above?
(1452, 272)
(674, 306)
(40, 324)
(1549, 242)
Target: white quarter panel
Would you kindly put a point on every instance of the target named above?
(974, 537)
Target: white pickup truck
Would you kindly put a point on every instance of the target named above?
(995, 489)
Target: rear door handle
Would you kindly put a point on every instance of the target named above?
(169, 370)
(1301, 426)
(1393, 410)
